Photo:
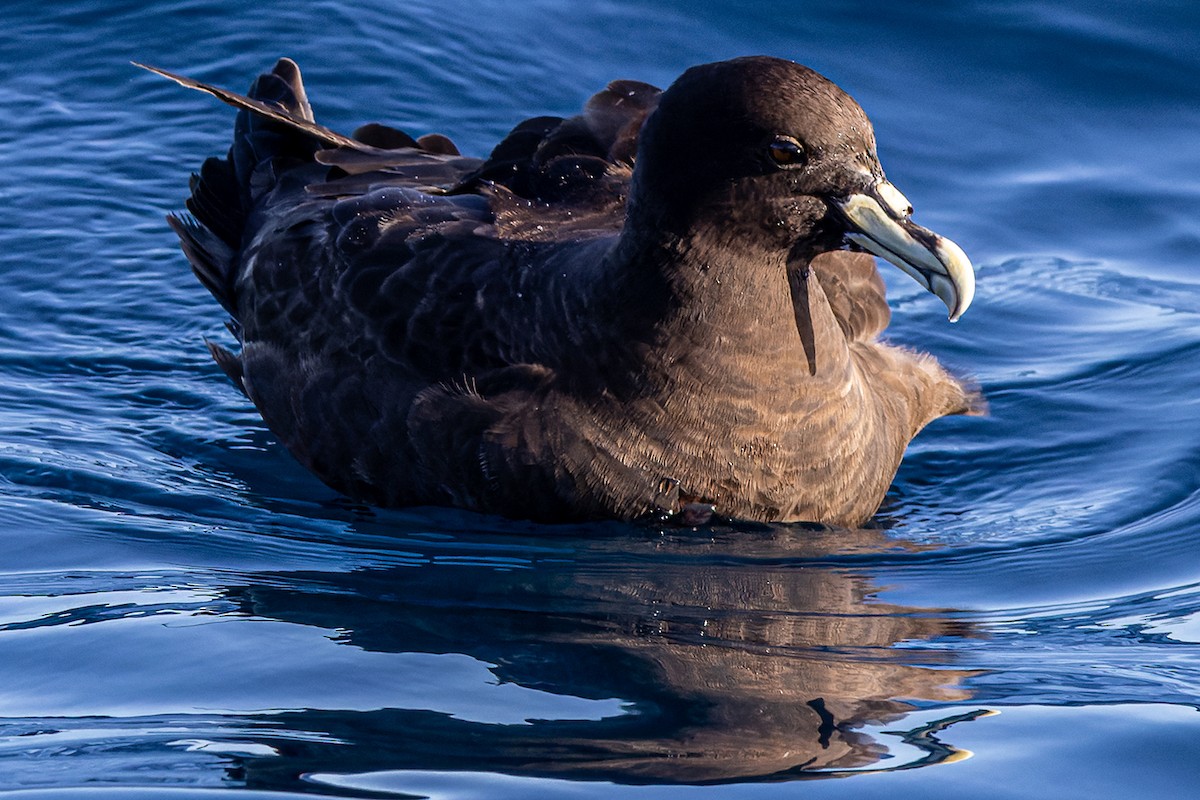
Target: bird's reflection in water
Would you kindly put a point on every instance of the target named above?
(740, 655)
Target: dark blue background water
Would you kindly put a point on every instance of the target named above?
(181, 605)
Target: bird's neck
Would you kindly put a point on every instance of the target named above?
(732, 308)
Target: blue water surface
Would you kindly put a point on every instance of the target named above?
(185, 611)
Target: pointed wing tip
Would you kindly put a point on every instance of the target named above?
(148, 68)
(171, 76)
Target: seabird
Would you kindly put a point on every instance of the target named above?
(664, 301)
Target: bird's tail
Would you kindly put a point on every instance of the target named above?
(274, 130)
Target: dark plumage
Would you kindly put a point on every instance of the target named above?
(627, 311)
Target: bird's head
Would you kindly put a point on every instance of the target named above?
(762, 149)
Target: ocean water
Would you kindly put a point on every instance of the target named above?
(185, 611)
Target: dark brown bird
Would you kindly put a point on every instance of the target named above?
(641, 307)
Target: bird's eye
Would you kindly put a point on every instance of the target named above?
(786, 152)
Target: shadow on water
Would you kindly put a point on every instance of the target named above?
(734, 655)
